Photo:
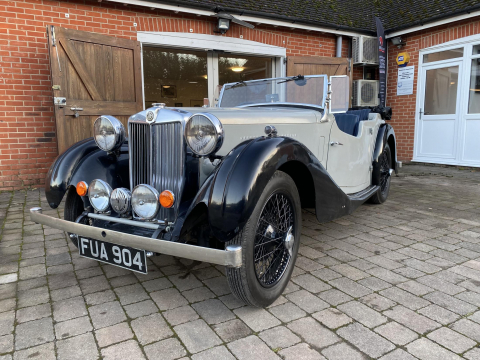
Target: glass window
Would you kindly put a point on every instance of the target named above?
(234, 68)
(443, 55)
(174, 77)
(476, 50)
(441, 91)
(474, 98)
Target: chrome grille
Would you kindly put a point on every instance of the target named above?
(157, 158)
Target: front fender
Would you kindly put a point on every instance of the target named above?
(84, 161)
(246, 170)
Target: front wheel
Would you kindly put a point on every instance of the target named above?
(270, 242)
(382, 172)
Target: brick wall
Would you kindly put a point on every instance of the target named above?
(27, 125)
(404, 107)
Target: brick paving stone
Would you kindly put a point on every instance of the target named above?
(65, 293)
(440, 285)
(374, 284)
(439, 314)
(342, 351)
(384, 262)
(326, 274)
(287, 312)
(6, 343)
(425, 349)
(377, 302)
(415, 288)
(32, 297)
(307, 301)
(151, 328)
(41, 352)
(232, 330)
(33, 333)
(72, 327)
(143, 308)
(7, 304)
(232, 302)
(123, 351)
(332, 318)
(412, 320)
(62, 281)
(198, 294)
(300, 352)
(33, 313)
(350, 287)
(180, 315)
(32, 272)
(367, 341)
(183, 283)
(312, 332)
(467, 328)
(256, 319)
(157, 284)
(396, 333)
(113, 334)
(124, 280)
(451, 340)
(80, 347)
(213, 311)
(95, 284)
(363, 314)
(470, 297)
(106, 314)
(450, 303)
(131, 294)
(168, 299)
(405, 298)
(100, 297)
(349, 271)
(69, 309)
(334, 297)
(398, 354)
(387, 275)
(219, 352)
(279, 337)
(197, 336)
(251, 347)
(473, 354)
(310, 283)
(218, 285)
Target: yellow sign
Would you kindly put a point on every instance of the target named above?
(402, 59)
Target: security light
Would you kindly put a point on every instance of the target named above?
(223, 25)
(397, 40)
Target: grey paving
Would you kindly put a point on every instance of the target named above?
(397, 281)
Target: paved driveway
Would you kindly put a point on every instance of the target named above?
(396, 281)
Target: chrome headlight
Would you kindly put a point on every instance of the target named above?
(145, 201)
(108, 132)
(99, 195)
(204, 134)
(121, 200)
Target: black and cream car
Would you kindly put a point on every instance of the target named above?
(223, 185)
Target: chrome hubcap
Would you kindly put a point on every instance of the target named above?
(289, 240)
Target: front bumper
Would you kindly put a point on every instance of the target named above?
(230, 257)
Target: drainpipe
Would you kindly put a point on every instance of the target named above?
(338, 52)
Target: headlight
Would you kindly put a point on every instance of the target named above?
(204, 134)
(108, 132)
(99, 195)
(121, 200)
(145, 201)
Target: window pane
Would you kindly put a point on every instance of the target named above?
(476, 50)
(441, 91)
(474, 98)
(174, 77)
(241, 68)
(443, 55)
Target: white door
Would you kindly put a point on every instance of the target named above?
(438, 125)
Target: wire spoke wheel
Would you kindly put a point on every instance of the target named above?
(384, 172)
(272, 246)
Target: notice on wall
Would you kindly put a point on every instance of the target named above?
(405, 80)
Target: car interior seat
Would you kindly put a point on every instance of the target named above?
(348, 123)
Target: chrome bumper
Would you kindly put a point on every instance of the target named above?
(231, 256)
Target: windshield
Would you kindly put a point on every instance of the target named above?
(305, 90)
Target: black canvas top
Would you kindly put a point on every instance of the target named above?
(353, 15)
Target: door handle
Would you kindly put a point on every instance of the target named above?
(76, 110)
(335, 143)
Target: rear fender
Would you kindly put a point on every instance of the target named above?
(84, 161)
(385, 135)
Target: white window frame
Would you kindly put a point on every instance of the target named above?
(467, 43)
(212, 43)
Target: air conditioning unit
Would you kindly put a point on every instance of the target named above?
(365, 50)
(365, 93)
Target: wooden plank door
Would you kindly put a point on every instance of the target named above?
(97, 73)
(318, 65)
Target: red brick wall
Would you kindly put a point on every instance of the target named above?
(404, 106)
(27, 126)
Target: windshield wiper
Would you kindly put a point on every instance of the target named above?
(240, 83)
(295, 78)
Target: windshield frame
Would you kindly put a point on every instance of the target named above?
(322, 106)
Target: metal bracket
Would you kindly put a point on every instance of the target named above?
(60, 101)
(76, 110)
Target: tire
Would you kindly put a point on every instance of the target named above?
(381, 176)
(252, 283)
(73, 209)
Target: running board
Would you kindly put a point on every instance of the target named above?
(363, 195)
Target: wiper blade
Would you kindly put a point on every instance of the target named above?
(294, 78)
(240, 83)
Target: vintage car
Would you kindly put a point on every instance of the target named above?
(225, 184)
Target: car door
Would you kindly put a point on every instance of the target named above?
(350, 157)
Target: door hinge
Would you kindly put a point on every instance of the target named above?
(56, 87)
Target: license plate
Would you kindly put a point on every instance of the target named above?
(125, 257)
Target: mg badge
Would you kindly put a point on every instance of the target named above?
(150, 116)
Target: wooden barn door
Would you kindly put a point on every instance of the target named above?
(317, 65)
(92, 75)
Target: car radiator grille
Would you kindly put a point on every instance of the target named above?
(157, 158)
